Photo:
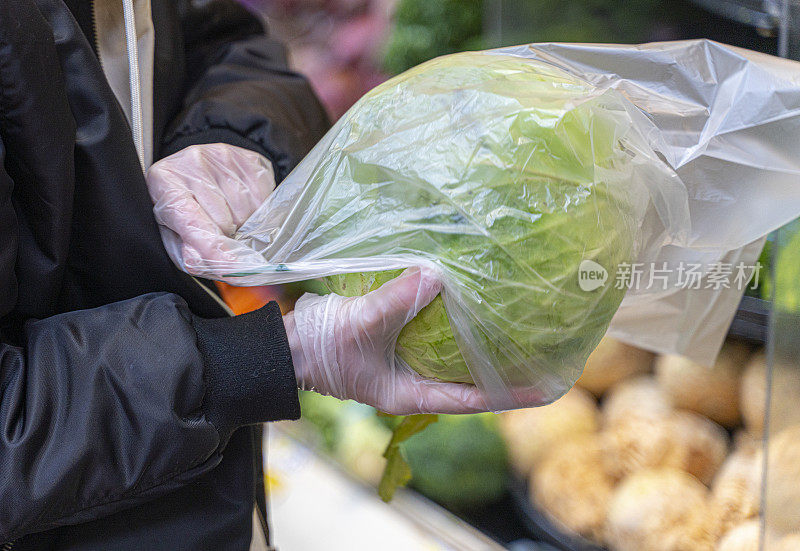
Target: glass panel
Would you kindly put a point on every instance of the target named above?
(781, 495)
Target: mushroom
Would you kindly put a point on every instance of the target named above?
(659, 510)
(570, 485)
(611, 362)
(736, 490)
(531, 432)
(681, 440)
(640, 397)
(710, 391)
(782, 492)
(787, 543)
(744, 537)
(785, 388)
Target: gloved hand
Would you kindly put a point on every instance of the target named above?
(203, 194)
(344, 347)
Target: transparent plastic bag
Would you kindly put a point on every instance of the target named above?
(521, 180)
(726, 121)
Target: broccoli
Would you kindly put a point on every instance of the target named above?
(460, 461)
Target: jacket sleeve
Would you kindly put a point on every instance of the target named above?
(102, 409)
(240, 89)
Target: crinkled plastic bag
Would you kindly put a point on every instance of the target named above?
(526, 180)
(726, 121)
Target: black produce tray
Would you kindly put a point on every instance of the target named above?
(751, 322)
(501, 520)
(540, 526)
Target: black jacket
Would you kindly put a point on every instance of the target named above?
(121, 397)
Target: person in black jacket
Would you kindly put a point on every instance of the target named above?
(128, 396)
(125, 390)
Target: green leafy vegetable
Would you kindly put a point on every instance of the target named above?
(397, 472)
(424, 29)
(323, 412)
(524, 179)
(763, 288)
(787, 273)
(460, 461)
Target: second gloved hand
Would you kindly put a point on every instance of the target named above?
(201, 196)
(345, 347)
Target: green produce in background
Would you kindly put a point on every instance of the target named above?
(324, 413)
(608, 21)
(350, 432)
(764, 287)
(460, 461)
(424, 29)
(787, 272)
(362, 442)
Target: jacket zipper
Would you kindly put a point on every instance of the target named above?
(134, 78)
(95, 39)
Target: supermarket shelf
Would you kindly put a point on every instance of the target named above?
(433, 518)
(751, 321)
(316, 505)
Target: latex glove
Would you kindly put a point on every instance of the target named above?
(344, 347)
(203, 194)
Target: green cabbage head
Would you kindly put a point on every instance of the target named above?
(508, 174)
